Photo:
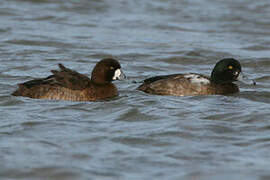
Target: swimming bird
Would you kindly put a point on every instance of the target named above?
(67, 84)
(225, 72)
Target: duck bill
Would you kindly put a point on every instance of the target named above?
(119, 75)
(244, 79)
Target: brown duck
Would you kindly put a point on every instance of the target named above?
(67, 84)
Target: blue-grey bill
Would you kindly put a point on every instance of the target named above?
(244, 79)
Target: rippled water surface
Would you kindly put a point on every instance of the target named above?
(137, 135)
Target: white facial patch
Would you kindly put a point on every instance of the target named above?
(196, 78)
(236, 73)
(117, 74)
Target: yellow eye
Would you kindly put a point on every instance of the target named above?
(111, 68)
(230, 67)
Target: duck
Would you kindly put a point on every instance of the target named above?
(70, 85)
(221, 81)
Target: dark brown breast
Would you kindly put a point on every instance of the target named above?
(47, 91)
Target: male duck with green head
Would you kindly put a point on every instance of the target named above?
(225, 72)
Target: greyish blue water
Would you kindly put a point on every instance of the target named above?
(135, 136)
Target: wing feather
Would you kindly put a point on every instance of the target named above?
(69, 78)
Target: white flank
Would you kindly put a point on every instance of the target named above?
(195, 78)
(117, 74)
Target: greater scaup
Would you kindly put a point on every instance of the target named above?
(225, 72)
(67, 84)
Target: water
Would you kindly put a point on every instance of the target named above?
(136, 135)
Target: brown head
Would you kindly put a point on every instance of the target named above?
(107, 70)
